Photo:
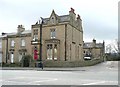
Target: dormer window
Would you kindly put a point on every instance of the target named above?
(53, 20)
(12, 43)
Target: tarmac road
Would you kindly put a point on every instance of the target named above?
(102, 74)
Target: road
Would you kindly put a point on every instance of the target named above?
(102, 74)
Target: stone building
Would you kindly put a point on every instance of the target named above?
(0, 49)
(15, 45)
(93, 49)
(62, 39)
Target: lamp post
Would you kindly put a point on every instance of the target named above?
(40, 46)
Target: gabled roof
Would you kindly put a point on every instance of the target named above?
(54, 14)
(26, 32)
(90, 45)
(15, 33)
(62, 18)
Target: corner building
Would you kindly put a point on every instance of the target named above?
(62, 39)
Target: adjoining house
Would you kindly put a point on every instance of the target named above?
(93, 49)
(62, 39)
(15, 45)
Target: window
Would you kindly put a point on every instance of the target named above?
(22, 42)
(35, 34)
(12, 43)
(52, 52)
(53, 33)
(12, 58)
(0, 44)
(49, 52)
(21, 55)
(53, 20)
(55, 52)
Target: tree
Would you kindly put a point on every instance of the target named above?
(116, 46)
(113, 47)
(109, 48)
(113, 50)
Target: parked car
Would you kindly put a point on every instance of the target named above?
(87, 58)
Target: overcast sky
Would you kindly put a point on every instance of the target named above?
(99, 17)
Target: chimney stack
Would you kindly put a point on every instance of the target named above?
(94, 43)
(72, 14)
(20, 28)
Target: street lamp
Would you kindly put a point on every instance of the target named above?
(40, 46)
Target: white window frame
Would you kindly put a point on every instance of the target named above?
(35, 34)
(49, 52)
(12, 58)
(22, 42)
(12, 43)
(53, 33)
(35, 37)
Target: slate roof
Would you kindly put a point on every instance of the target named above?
(90, 45)
(26, 32)
(15, 33)
(63, 18)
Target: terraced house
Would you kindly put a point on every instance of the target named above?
(62, 39)
(16, 45)
(94, 49)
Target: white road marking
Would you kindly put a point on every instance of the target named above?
(23, 83)
(100, 82)
(35, 81)
(47, 80)
(94, 83)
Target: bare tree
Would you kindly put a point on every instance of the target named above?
(109, 48)
(116, 46)
(113, 47)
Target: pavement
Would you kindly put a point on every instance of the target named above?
(109, 64)
(105, 73)
(44, 69)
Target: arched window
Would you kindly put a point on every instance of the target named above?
(53, 20)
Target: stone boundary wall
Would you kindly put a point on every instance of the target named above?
(72, 63)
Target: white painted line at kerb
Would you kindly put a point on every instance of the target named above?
(94, 83)
(46, 80)
(100, 82)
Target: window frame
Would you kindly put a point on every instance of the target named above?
(35, 34)
(12, 43)
(23, 43)
(53, 33)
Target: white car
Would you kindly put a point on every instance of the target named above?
(87, 58)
